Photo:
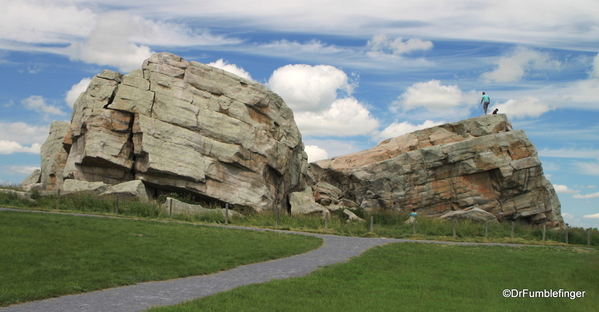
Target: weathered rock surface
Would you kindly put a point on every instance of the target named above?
(174, 206)
(478, 162)
(475, 214)
(182, 126)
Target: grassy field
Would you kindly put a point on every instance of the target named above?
(425, 277)
(47, 255)
(386, 224)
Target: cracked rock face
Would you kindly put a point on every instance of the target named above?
(479, 162)
(178, 125)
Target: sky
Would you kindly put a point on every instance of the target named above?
(355, 72)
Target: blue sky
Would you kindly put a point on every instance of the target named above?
(354, 72)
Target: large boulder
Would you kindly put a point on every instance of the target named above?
(478, 162)
(182, 126)
(174, 206)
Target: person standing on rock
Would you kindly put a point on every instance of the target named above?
(485, 102)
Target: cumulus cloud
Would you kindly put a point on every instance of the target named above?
(593, 216)
(315, 153)
(436, 99)
(109, 43)
(38, 103)
(522, 108)
(513, 67)
(592, 195)
(310, 88)
(22, 133)
(563, 189)
(11, 147)
(76, 90)
(346, 117)
(400, 128)
(320, 97)
(232, 68)
(380, 43)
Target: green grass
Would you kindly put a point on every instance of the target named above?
(425, 277)
(47, 255)
(386, 224)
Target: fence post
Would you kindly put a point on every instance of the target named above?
(513, 224)
(116, 204)
(227, 213)
(57, 199)
(486, 229)
(170, 208)
(371, 223)
(326, 221)
(566, 235)
(453, 226)
(414, 224)
(544, 231)
(589, 237)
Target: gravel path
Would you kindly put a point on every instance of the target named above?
(145, 295)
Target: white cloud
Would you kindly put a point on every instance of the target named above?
(76, 90)
(569, 153)
(22, 133)
(437, 99)
(380, 43)
(592, 195)
(400, 128)
(309, 88)
(10, 147)
(38, 103)
(315, 153)
(593, 216)
(21, 169)
(563, 189)
(588, 168)
(232, 68)
(346, 117)
(513, 67)
(522, 108)
(595, 70)
(110, 43)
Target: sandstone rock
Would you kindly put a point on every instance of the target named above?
(54, 156)
(351, 217)
(75, 186)
(479, 161)
(303, 203)
(183, 126)
(19, 194)
(175, 206)
(33, 178)
(132, 189)
(475, 214)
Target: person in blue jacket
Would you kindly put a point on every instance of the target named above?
(485, 102)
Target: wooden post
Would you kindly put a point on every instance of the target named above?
(116, 204)
(414, 224)
(371, 223)
(453, 226)
(486, 228)
(57, 199)
(544, 231)
(326, 221)
(589, 237)
(513, 224)
(227, 213)
(170, 208)
(566, 235)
